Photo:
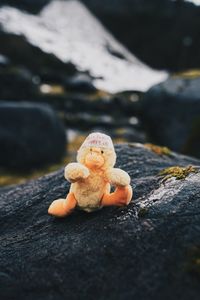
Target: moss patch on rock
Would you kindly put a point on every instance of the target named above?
(143, 211)
(177, 172)
(158, 149)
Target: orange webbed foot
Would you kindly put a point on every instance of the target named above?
(120, 197)
(63, 207)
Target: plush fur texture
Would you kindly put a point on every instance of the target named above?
(91, 179)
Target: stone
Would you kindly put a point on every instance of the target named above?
(80, 83)
(31, 136)
(170, 113)
(148, 250)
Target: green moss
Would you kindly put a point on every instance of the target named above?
(158, 149)
(177, 172)
(143, 212)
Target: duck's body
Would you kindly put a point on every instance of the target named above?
(91, 178)
(89, 192)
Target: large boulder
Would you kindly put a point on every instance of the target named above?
(148, 250)
(31, 135)
(170, 112)
(65, 36)
(164, 34)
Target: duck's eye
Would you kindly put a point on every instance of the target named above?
(91, 149)
(102, 151)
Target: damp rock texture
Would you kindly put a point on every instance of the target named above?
(148, 250)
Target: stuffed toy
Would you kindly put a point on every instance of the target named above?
(91, 179)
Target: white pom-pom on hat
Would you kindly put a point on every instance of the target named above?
(99, 140)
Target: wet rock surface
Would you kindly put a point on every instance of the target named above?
(148, 250)
(31, 135)
(164, 34)
(171, 114)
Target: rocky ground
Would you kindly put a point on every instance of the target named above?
(148, 250)
(63, 75)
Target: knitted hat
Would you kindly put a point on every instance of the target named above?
(99, 140)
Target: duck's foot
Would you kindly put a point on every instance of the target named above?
(63, 207)
(120, 197)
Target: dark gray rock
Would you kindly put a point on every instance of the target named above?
(163, 34)
(31, 135)
(171, 114)
(17, 84)
(115, 253)
(80, 83)
(116, 105)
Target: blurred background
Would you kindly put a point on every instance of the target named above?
(129, 68)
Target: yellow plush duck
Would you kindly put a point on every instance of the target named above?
(91, 179)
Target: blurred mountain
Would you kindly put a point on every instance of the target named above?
(65, 34)
(164, 34)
